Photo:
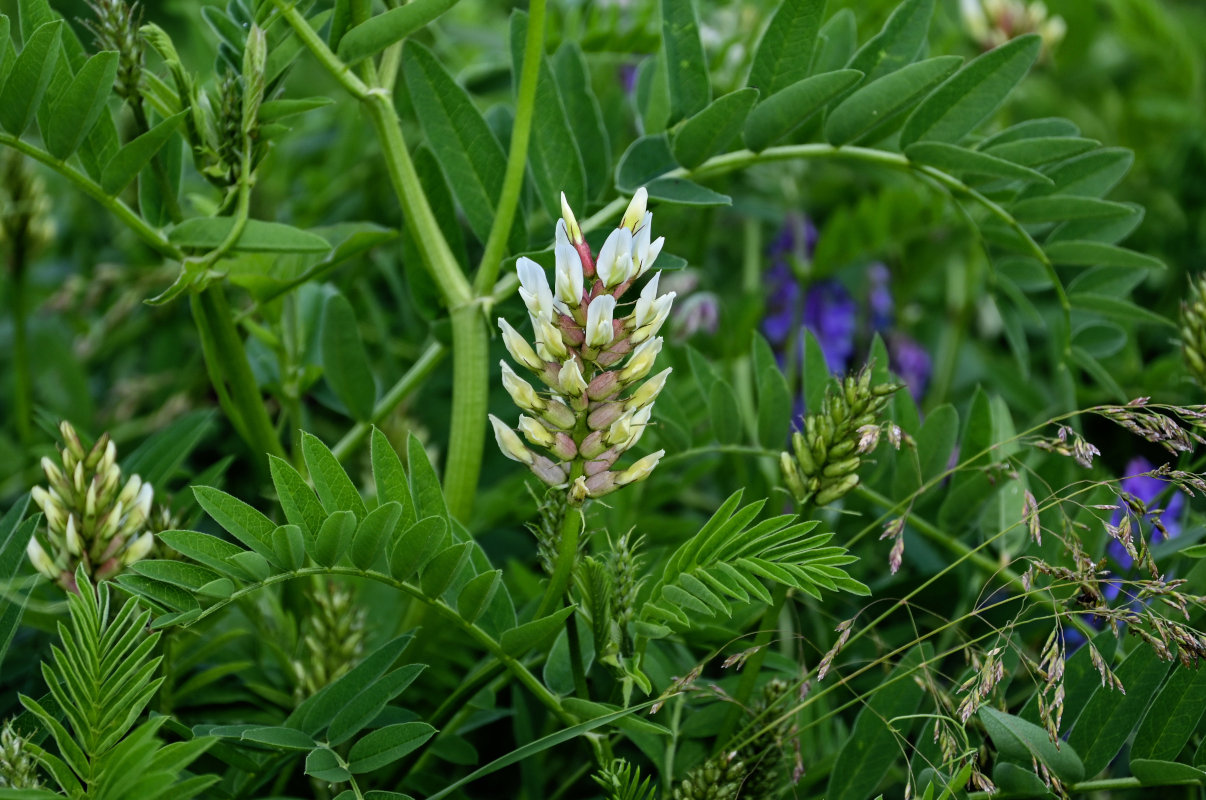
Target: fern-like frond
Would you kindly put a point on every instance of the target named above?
(622, 781)
(727, 560)
(101, 676)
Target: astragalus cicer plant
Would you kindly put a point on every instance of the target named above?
(593, 361)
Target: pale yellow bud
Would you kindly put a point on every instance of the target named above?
(640, 470)
(522, 393)
(74, 545)
(642, 360)
(648, 391)
(518, 347)
(572, 229)
(549, 342)
(509, 442)
(40, 560)
(635, 213)
(534, 432)
(139, 549)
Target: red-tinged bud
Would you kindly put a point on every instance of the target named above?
(592, 445)
(603, 386)
(604, 415)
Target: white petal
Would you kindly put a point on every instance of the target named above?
(599, 315)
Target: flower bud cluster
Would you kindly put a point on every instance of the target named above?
(18, 770)
(594, 364)
(333, 636)
(92, 518)
(826, 454)
(1193, 329)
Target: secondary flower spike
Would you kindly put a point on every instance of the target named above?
(592, 350)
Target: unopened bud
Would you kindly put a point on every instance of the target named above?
(139, 549)
(604, 415)
(791, 476)
(837, 490)
(71, 441)
(534, 432)
(518, 347)
(72, 537)
(551, 473)
(572, 230)
(592, 445)
(548, 340)
(648, 391)
(521, 392)
(641, 361)
(40, 560)
(635, 212)
(603, 386)
(568, 274)
(559, 415)
(640, 470)
(534, 288)
(509, 442)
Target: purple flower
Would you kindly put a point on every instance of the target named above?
(879, 298)
(782, 304)
(832, 315)
(1146, 489)
(911, 362)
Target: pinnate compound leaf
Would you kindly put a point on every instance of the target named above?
(536, 633)
(585, 115)
(1021, 742)
(424, 483)
(835, 42)
(472, 159)
(965, 99)
(375, 530)
(335, 489)
(78, 108)
(1087, 253)
(377, 33)
(334, 537)
(240, 520)
(897, 44)
(30, 77)
(317, 711)
(709, 131)
(127, 162)
(961, 161)
(417, 545)
(14, 536)
(366, 705)
(784, 53)
(870, 106)
(390, 478)
(1060, 207)
(687, 73)
(645, 159)
(344, 361)
(297, 499)
(476, 595)
(444, 568)
(387, 745)
(686, 193)
(1034, 152)
(1030, 129)
(782, 112)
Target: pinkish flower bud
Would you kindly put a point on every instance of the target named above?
(592, 445)
(603, 416)
(563, 447)
(551, 473)
(603, 386)
(601, 484)
(559, 415)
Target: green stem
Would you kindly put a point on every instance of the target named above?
(226, 359)
(567, 554)
(127, 216)
(413, 379)
(470, 399)
(577, 664)
(521, 130)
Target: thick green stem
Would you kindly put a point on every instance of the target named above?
(226, 359)
(577, 663)
(517, 158)
(563, 570)
(470, 395)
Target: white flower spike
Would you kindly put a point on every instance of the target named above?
(599, 316)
